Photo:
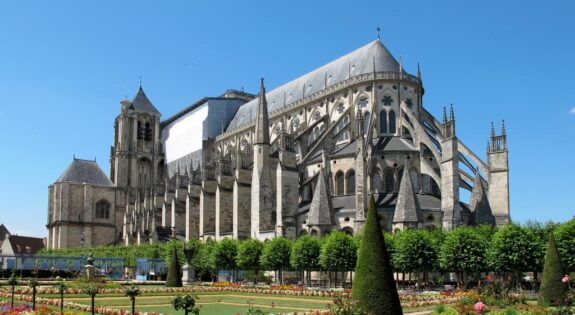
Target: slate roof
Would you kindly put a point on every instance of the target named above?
(141, 103)
(321, 208)
(85, 171)
(25, 244)
(360, 61)
(407, 207)
(3, 232)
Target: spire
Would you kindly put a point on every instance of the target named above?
(407, 208)
(262, 122)
(400, 67)
(503, 131)
(492, 131)
(488, 146)
(451, 114)
(479, 205)
(444, 115)
(142, 103)
(321, 208)
(418, 71)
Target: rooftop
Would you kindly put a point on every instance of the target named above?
(85, 172)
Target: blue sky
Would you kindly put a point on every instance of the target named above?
(65, 66)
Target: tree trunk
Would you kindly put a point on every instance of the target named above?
(281, 276)
(256, 277)
(133, 305)
(403, 280)
(34, 298)
(62, 302)
(335, 279)
(12, 302)
(93, 310)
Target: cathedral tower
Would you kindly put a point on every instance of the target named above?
(499, 175)
(136, 149)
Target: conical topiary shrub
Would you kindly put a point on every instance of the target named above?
(552, 290)
(373, 287)
(174, 278)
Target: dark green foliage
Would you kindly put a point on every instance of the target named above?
(464, 250)
(338, 252)
(552, 290)
(514, 248)
(249, 253)
(276, 255)
(305, 254)
(415, 251)
(174, 278)
(374, 287)
(204, 259)
(225, 254)
(186, 303)
(565, 236)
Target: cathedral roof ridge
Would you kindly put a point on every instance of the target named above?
(370, 58)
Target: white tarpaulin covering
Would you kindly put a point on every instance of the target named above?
(184, 136)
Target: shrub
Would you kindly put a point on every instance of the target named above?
(552, 289)
(444, 310)
(374, 287)
(174, 278)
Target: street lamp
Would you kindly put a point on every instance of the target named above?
(83, 242)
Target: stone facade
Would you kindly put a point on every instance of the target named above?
(302, 158)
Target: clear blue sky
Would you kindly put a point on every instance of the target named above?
(65, 66)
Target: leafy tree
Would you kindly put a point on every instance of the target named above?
(249, 253)
(132, 292)
(61, 286)
(463, 251)
(276, 255)
(174, 278)
(12, 282)
(416, 252)
(33, 283)
(186, 303)
(92, 291)
(515, 249)
(374, 287)
(305, 255)
(204, 259)
(565, 236)
(225, 254)
(338, 253)
(552, 289)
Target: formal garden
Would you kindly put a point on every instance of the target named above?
(471, 270)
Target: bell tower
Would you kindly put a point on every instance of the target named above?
(136, 152)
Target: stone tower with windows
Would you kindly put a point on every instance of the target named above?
(136, 153)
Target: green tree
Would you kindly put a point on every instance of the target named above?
(12, 282)
(374, 287)
(515, 249)
(249, 254)
(61, 287)
(338, 253)
(463, 251)
(416, 252)
(174, 278)
(276, 255)
(552, 289)
(305, 255)
(186, 303)
(565, 236)
(132, 292)
(225, 254)
(92, 291)
(204, 259)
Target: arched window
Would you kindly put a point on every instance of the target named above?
(148, 132)
(388, 179)
(339, 184)
(392, 122)
(383, 122)
(102, 210)
(377, 182)
(351, 182)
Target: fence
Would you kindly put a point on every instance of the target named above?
(110, 267)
